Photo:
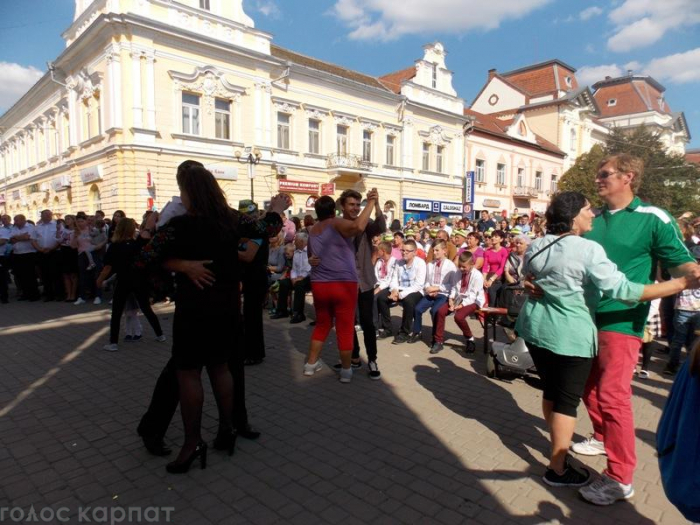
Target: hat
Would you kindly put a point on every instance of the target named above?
(388, 237)
(459, 232)
(515, 231)
(247, 206)
(490, 231)
(410, 232)
(433, 233)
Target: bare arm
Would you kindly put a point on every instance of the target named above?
(666, 288)
(685, 270)
(348, 228)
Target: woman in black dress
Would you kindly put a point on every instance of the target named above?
(203, 334)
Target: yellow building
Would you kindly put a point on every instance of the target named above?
(146, 84)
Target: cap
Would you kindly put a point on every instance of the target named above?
(388, 237)
(459, 232)
(247, 206)
(433, 233)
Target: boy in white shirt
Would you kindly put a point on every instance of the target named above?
(384, 267)
(438, 283)
(466, 296)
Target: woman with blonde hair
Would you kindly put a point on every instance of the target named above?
(131, 282)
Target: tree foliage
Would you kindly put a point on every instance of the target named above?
(668, 180)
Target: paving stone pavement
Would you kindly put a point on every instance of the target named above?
(434, 441)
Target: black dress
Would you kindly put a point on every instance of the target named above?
(204, 322)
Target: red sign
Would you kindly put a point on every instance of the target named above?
(328, 188)
(296, 186)
(149, 203)
(149, 179)
(311, 202)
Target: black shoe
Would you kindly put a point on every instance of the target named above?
(353, 365)
(279, 315)
(156, 446)
(374, 372)
(384, 333)
(297, 319)
(414, 338)
(399, 339)
(470, 347)
(570, 478)
(226, 441)
(437, 347)
(671, 369)
(199, 452)
(252, 362)
(247, 432)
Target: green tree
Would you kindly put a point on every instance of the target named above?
(668, 180)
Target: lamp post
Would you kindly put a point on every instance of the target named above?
(250, 156)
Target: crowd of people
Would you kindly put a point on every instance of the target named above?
(588, 283)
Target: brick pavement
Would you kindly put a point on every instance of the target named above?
(434, 441)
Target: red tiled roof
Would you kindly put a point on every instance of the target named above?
(634, 95)
(541, 79)
(693, 156)
(392, 81)
(495, 126)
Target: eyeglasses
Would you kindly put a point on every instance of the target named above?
(605, 174)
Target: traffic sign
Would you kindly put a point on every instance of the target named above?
(467, 207)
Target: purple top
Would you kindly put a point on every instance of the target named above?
(337, 256)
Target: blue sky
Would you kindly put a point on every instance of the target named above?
(608, 37)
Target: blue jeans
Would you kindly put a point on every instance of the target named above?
(684, 325)
(434, 303)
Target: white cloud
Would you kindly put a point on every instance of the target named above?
(680, 68)
(16, 80)
(640, 23)
(389, 19)
(268, 8)
(590, 12)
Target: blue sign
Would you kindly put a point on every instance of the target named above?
(469, 188)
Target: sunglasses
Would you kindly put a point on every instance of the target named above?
(605, 174)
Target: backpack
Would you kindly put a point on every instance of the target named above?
(678, 444)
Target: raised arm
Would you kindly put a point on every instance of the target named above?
(348, 228)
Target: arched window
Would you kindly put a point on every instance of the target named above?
(572, 140)
(94, 198)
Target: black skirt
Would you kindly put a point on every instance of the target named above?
(68, 259)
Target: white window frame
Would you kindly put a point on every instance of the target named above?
(520, 178)
(222, 131)
(342, 134)
(426, 157)
(366, 145)
(390, 149)
(205, 4)
(553, 185)
(500, 174)
(191, 114)
(572, 139)
(440, 159)
(435, 76)
(284, 131)
(314, 145)
(480, 170)
(538, 180)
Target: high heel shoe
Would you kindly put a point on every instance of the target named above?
(182, 467)
(226, 441)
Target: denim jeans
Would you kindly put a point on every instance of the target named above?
(427, 302)
(685, 323)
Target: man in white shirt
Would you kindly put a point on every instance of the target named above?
(406, 288)
(299, 281)
(5, 250)
(442, 225)
(384, 267)
(24, 258)
(45, 242)
(438, 283)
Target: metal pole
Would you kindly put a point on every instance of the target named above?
(251, 175)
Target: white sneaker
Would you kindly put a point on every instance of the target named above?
(160, 338)
(589, 447)
(110, 347)
(345, 375)
(79, 301)
(310, 370)
(97, 301)
(606, 491)
(643, 374)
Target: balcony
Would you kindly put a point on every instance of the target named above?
(340, 164)
(525, 192)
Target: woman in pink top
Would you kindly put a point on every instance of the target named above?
(87, 277)
(494, 263)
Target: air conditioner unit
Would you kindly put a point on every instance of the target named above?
(281, 170)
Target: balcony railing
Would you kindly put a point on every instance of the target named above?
(347, 161)
(525, 191)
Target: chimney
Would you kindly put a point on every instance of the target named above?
(608, 77)
(492, 73)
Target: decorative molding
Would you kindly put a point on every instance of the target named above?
(284, 105)
(209, 81)
(265, 86)
(315, 112)
(369, 125)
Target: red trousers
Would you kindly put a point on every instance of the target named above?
(460, 318)
(335, 300)
(608, 398)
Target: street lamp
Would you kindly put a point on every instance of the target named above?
(251, 157)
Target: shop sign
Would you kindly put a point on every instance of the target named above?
(469, 187)
(60, 183)
(417, 205)
(311, 202)
(328, 188)
(91, 174)
(223, 172)
(296, 186)
(450, 207)
(492, 203)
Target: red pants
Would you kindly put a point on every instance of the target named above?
(460, 318)
(608, 398)
(335, 300)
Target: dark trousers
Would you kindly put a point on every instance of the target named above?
(4, 278)
(365, 308)
(409, 307)
(300, 289)
(24, 268)
(50, 274)
(254, 291)
(121, 293)
(87, 279)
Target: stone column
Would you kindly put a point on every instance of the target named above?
(137, 106)
(150, 91)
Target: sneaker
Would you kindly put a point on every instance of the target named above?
(358, 328)
(414, 338)
(161, 338)
(353, 365)
(399, 339)
(374, 372)
(606, 491)
(570, 478)
(310, 370)
(437, 347)
(128, 339)
(671, 369)
(110, 347)
(470, 347)
(345, 375)
(643, 374)
(589, 447)
(384, 333)
(135, 338)
(91, 267)
(97, 301)
(79, 301)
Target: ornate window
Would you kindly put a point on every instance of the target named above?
(439, 159)
(538, 180)
(521, 177)
(480, 170)
(367, 146)
(553, 185)
(501, 174)
(283, 130)
(190, 113)
(314, 136)
(222, 118)
(342, 140)
(390, 142)
(426, 156)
